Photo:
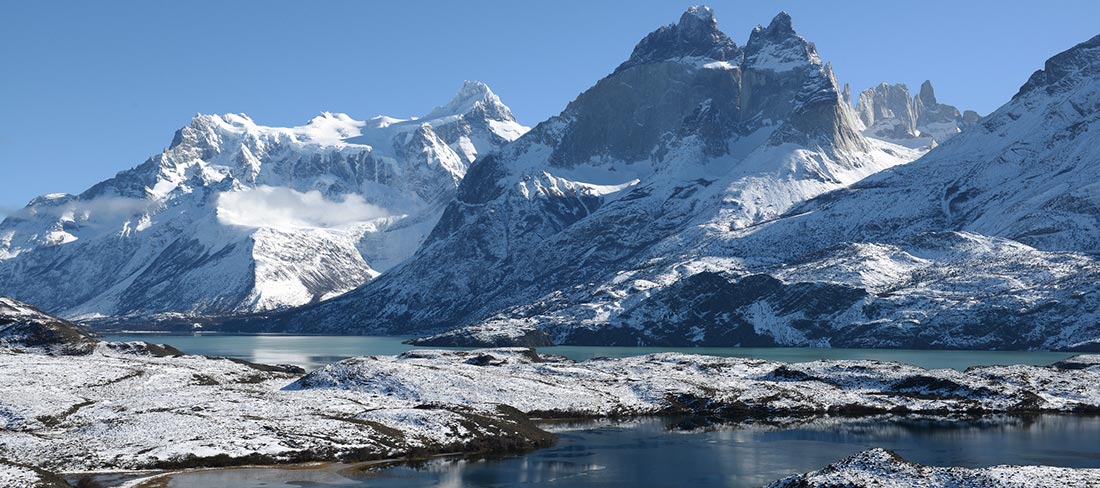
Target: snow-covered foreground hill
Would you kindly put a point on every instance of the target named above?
(122, 407)
(126, 406)
(237, 217)
(17, 475)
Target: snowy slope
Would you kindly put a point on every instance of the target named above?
(670, 383)
(692, 137)
(238, 217)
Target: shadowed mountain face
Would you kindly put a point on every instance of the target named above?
(236, 217)
(692, 138)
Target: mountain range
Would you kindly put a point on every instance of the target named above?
(702, 193)
(235, 217)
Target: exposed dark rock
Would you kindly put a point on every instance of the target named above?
(22, 325)
(487, 336)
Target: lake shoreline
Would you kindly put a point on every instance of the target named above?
(136, 406)
(373, 471)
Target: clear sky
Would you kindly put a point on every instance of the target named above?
(91, 88)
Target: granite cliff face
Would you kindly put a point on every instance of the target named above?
(888, 113)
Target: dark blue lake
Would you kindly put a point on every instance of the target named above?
(651, 452)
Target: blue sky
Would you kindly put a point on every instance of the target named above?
(91, 88)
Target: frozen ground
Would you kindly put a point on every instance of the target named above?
(118, 410)
(545, 385)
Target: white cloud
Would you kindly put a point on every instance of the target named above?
(99, 209)
(269, 206)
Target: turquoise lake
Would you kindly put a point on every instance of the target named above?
(313, 351)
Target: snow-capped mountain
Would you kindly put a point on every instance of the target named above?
(692, 138)
(236, 217)
(988, 241)
(888, 113)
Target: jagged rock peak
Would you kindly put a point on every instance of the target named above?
(888, 113)
(701, 13)
(1060, 70)
(779, 48)
(779, 29)
(698, 22)
(473, 95)
(695, 35)
(888, 102)
(927, 94)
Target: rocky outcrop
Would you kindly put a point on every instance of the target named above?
(487, 335)
(937, 120)
(23, 326)
(888, 112)
(879, 467)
